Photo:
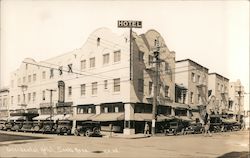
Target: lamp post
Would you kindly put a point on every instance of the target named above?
(239, 91)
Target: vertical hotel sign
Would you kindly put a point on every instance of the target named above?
(130, 24)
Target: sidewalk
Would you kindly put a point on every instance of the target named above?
(120, 135)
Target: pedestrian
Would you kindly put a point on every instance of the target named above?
(207, 131)
(111, 129)
(146, 129)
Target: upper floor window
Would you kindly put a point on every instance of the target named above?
(94, 88)
(141, 56)
(18, 98)
(43, 74)
(34, 96)
(218, 86)
(117, 85)
(29, 97)
(70, 90)
(192, 97)
(193, 77)
(140, 85)
(150, 88)
(166, 91)
(117, 56)
(98, 40)
(105, 59)
(222, 87)
(105, 84)
(43, 95)
(198, 78)
(34, 77)
(83, 64)
(26, 66)
(92, 62)
(83, 89)
(12, 99)
(51, 73)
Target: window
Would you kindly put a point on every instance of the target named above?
(140, 85)
(26, 66)
(105, 59)
(34, 96)
(43, 74)
(70, 90)
(83, 64)
(98, 40)
(167, 70)
(51, 73)
(150, 87)
(199, 98)
(92, 62)
(218, 86)
(199, 79)
(12, 99)
(34, 77)
(94, 88)
(166, 91)
(117, 85)
(18, 98)
(24, 79)
(141, 56)
(83, 89)
(24, 96)
(89, 110)
(117, 56)
(29, 78)
(150, 60)
(143, 108)
(193, 77)
(221, 88)
(105, 84)
(43, 95)
(84, 109)
(105, 109)
(29, 97)
(116, 109)
(192, 97)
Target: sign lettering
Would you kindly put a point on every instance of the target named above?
(129, 24)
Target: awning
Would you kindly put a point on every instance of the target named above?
(163, 117)
(183, 118)
(142, 117)
(109, 117)
(194, 107)
(4, 118)
(42, 117)
(179, 105)
(81, 117)
(230, 112)
(17, 118)
(61, 117)
(228, 120)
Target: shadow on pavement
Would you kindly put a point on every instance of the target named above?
(11, 137)
(243, 154)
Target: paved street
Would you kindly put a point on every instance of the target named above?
(229, 144)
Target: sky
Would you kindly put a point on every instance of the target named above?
(215, 34)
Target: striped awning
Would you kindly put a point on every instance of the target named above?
(81, 117)
(109, 117)
(61, 117)
(14, 118)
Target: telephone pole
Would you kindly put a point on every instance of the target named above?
(239, 103)
(156, 80)
(51, 106)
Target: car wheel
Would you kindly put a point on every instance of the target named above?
(88, 133)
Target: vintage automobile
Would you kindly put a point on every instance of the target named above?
(27, 126)
(2, 124)
(17, 126)
(88, 128)
(8, 125)
(37, 126)
(48, 127)
(175, 127)
(215, 123)
(64, 127)
(194, 128)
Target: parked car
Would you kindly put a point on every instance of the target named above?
(88, 128)
(48, 127)
(215, 123)
(194, 128)
(64, 127)
(37, 126)
(175, 127)
(8, 125)
(17, 126)
(2, 124)
(27, 126)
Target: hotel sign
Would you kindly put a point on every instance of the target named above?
(129, 24)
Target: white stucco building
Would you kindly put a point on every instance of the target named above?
(98, 81)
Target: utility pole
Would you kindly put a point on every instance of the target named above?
(156, 78)
(239, 99)
(51, 107)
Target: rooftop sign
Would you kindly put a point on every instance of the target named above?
(129, 24)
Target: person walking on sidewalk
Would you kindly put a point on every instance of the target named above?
(207, 131)
(146, 129)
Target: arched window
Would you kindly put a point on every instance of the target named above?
(98, 41)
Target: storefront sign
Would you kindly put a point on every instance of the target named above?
(45, 105)
(129, 24)
(64, 104)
